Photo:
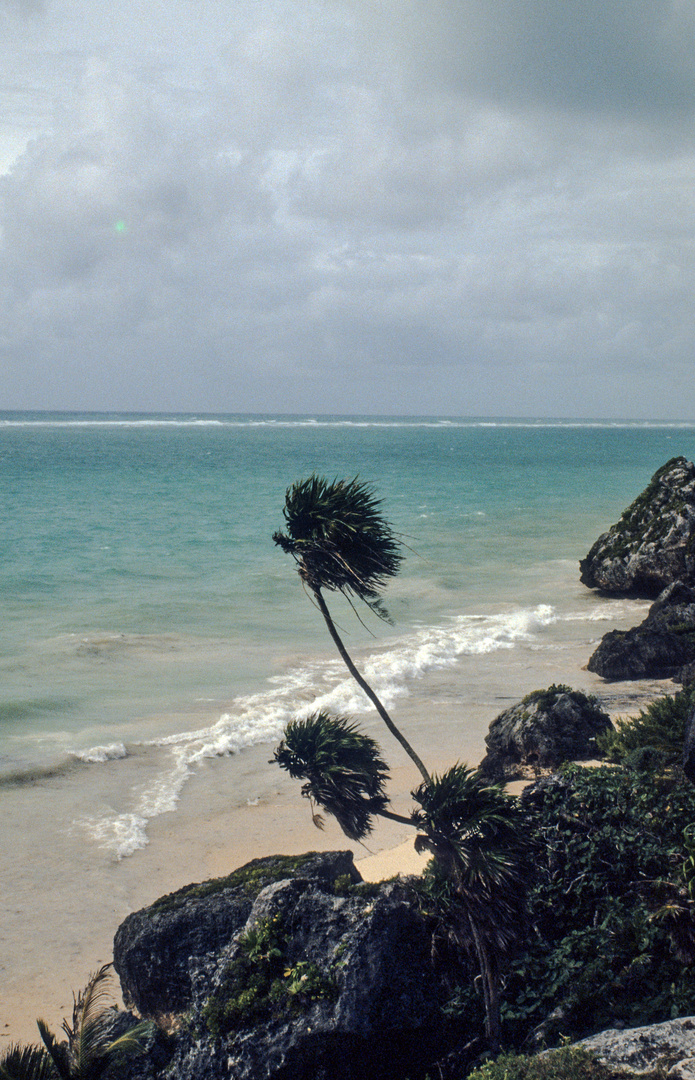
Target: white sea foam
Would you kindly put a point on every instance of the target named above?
(261, 718)
(96, 754)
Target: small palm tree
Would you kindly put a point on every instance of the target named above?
(90, 1053)
(474, 832)
(471, 828)
(341, 543)
(26, 1063)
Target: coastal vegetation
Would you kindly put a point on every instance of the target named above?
(94, 1048)
(341, 543)
(572, 930)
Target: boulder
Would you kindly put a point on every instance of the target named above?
(653, 544)
(639, 1050)
(322, 977)
(540, 732)
(661, 647)
(156, 950)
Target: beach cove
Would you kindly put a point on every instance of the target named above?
(154, 643)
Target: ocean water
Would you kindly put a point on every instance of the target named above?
(150, 626)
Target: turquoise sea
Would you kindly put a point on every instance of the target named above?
(147, 615)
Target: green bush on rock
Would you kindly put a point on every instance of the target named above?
(604, 838)
(567, 1063)
(654, 737)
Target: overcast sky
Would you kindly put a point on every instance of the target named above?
(450, 207)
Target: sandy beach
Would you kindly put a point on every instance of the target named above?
(53, 939)
(53, 942)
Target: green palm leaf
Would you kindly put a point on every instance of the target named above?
(91, 1051)
(342, 767)
(475, 832)
(26, 1063)
(340, 541)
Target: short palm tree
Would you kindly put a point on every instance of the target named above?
(26, 1063)
(475, 834)
(341, 543)
(91, 1051)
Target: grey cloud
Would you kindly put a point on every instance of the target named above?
(623, 56)
(295, 206)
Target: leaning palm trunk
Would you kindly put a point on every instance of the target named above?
(340, 542)
(364, 685)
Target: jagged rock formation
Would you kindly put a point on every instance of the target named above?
(157, 951)
(287, 969)
(653, 544)
(639, 1050)
(661, 647)
(544, 729)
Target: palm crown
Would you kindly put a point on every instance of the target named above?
(340, 541)
(342, 767)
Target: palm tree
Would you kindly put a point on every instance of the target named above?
(91, 1051)
(471, 828)
(341, 543)
(475, 834)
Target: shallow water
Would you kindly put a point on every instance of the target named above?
(150, 624)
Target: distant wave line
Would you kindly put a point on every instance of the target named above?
(251, 421)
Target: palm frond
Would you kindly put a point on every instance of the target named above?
(339, 539)
(91, 1050)
(26, 1063)
(57, 1051)
(474, 831)
(342, 767)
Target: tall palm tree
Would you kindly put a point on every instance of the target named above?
(341, 543)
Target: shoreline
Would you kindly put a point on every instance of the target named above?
(53, 942)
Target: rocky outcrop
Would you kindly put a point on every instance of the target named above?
(287, 972)
(653, 544)
(544, 729)
(157, 950)
(640, 1050)
(661, 647)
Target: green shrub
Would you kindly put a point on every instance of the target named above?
(567, 1063)
(655, 737)
(604, 838)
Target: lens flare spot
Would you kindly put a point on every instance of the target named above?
(120, 226)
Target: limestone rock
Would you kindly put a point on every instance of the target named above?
(540, 732)
(641, 1049)
(653, 544)
(319, 979)
(156, 950)
(661, 647)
